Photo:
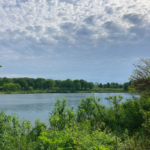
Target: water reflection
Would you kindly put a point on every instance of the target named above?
(38, 107)
(34, 106)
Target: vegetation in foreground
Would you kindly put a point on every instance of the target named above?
(92, 126)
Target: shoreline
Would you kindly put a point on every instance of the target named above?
(41, 92)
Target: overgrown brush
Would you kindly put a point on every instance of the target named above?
(122, 126)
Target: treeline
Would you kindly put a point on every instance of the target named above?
(14, 84)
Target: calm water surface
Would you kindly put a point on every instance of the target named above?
(38, 106)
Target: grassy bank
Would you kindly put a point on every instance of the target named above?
(95, 90)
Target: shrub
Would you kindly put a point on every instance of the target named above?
(30, 88)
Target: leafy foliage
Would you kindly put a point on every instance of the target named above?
(92, 126)
(11, 87)
(141, 77)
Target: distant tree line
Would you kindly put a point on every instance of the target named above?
(14, 84)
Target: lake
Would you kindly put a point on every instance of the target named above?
(38, 106)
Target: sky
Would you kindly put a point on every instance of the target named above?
(94, 40)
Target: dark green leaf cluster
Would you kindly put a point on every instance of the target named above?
(110, 85)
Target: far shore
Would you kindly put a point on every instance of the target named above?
(63, 91)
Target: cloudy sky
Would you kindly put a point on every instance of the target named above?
(95, 40)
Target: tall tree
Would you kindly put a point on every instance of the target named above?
(120, 85)
(57, 83)
(91, 85)
(84, 84)
(125, 86)
(100, 85)
(29, 81)
(143, 71)
(50, 84)
(117, 85)
(39, 83)
(23, 83)
(108, 85)
(76, 81)
(69, 83)
(5, 80)
(112, 85)
(140, 79)
(62, 84)
(78, 86)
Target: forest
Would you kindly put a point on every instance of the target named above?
(31, 84)
(92, 126)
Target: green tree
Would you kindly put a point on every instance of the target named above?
(76, 81)
(140, 78)
(113, 85)
(57, 117)
(100, 85)
(87, 108)
(125, 86)
(57, 83)
(91, 85)
(120, 85)
(143, 71)
(39, 83)
(62, 84)
(5, 80)
(50, 84)
(30, 88)
(117, 85)
(29, 81)
(84, 84)
(11, 86)
(78, 86)
(108, 85)
(69, 83)
(23, 83)
(115, 102)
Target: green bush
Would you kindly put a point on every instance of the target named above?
(92, 126)
(11, 87)
(30, 88)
